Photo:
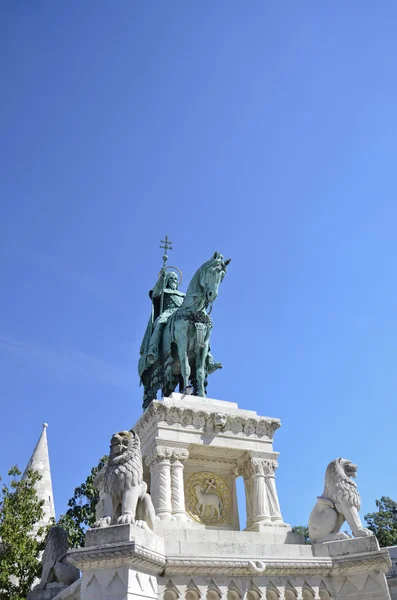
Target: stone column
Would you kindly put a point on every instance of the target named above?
(274, 504)
(160, 481)
(177, 484)
(260, 504)
(244, 470)
(248, 500)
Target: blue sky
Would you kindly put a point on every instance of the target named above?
(264, 130)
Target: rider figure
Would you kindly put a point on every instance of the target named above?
(173, 299)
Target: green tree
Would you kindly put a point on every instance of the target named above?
(302, 530)
(384, 522)
(20, 511)
(81, 512)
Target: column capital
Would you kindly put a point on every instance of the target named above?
(166, 453)
(261, 466)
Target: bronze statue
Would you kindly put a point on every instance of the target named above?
(176, 345)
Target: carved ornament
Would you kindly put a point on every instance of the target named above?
(192, 418)
(207, 498)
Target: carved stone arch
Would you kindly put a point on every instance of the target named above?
(192, 592)
(272, 592)
(171, 592)
(213, 592)
(95, 587)
(253, 592)
(290, 593)
(324, 592)
(233, 592)
(307, 592)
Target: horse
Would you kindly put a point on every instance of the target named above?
(185, 345)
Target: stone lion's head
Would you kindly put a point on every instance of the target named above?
(122, 443)
(341, 468)
(124, 467)
(338, 484)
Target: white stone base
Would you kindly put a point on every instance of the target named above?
(125, 562)
(119, 563)
(197, 446)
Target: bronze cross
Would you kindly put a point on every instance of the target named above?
(167, 246)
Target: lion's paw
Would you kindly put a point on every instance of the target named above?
(142, 525)
(104, 522)
(363, 532)
(126, 519)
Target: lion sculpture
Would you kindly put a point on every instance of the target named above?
(56, 572)
(339, 502)
(122, 492)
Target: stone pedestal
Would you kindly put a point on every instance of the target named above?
(194, 448)
(119, 563)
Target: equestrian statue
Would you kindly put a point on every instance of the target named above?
(176, 346)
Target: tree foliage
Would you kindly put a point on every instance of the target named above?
(384, 522)
(20, 511)
(302, 530)
(81, 512)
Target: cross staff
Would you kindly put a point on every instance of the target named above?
(167, 246)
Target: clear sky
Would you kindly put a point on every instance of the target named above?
(264, 130)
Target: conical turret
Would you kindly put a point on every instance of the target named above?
(40, 462)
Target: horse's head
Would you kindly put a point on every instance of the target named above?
(212, 275)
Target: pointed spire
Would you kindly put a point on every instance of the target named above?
(40, 462)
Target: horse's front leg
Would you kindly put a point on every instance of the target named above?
(201, 355)
(183, 358)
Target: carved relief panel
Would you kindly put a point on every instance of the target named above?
(210, 493)
(208, 498)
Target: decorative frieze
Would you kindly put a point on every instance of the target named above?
(372, 561)
(205, 420)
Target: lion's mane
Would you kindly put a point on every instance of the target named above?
(338, 485)
(122, 471)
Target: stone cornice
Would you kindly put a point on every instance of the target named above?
(271, 567)
(119, 553)
(127, 553)
(205, 420)
(224, 566)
